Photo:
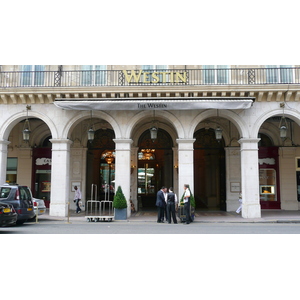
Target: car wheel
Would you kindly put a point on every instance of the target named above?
(32, 219)
(20, 222)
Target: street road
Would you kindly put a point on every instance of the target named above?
(140, 227)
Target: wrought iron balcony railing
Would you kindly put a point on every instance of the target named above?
(167, 77)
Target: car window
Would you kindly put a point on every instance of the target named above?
(4, 192)
(23, 194)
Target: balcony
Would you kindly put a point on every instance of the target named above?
(168, 77)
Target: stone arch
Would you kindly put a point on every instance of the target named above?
(293, 115)
(85, 115)
(226, 114)
(13, 120)
(272, 132)
(165, 115)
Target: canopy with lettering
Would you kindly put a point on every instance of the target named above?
(164, 103)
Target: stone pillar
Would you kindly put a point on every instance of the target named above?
(185, 164)
(233, 177)
(175, 175)
(122, 168)
(60, 177)
(250, 178)
(3, 160)
(134, 177)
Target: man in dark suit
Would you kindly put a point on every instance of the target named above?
(171, 202)
(161, 204)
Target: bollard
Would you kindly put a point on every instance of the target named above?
(68, 214)
(37, 213)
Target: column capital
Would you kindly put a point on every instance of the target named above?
(123, 141)
(185, 144)
(248, 140)
(61, 141)
(123, 144)
(185, 141)
(4, 142)
(249, 143)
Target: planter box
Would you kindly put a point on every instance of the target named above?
(121, 214)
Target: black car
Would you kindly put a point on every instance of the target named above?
(8, 215)
(20, 198)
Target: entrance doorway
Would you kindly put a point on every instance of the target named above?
(155, 166)
(101, 165)
(209, 171)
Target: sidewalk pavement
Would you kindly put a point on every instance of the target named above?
(267, 216)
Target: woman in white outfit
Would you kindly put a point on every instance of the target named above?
(240, 207)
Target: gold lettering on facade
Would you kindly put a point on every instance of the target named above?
(146, 74)
(132, 76)
(182, 77)
(155, 77)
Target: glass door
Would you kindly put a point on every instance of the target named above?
(147, 185)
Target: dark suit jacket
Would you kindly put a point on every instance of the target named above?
(160, 199)
(171, 197)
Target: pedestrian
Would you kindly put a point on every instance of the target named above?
(165, 209)
(171, 202)
(77, 198)
(161, 204)
(187, 203)
(241, 204)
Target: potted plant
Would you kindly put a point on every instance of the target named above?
(120, 205)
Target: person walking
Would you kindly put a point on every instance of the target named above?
(77, 198)
(187, 203)
(171, 202)
(161, 204)
(241, 204)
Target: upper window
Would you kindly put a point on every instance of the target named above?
(93, 75)
(218, 74)
(32, 75)
(279, 74)
(162, 78)
(154, 67)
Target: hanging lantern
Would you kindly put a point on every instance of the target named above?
(153, 133)
(26, 129)
(283, 131)
(218, 133)
(91, 134)
(283, 128)
(91, 131)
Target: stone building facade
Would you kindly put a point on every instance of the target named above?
(254, 108)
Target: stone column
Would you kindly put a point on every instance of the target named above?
(122, 168)
(134, 177)
(60, 177)
(185, 164)
(3, 160)
(250, 178)
(233, 177)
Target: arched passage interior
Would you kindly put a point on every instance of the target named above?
(155, 166)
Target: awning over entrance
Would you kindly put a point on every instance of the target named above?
(164, 103)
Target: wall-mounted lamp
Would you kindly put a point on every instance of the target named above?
(91, 131)
(132, 168)
(26, 129)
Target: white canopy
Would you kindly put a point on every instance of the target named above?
(172, 103)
